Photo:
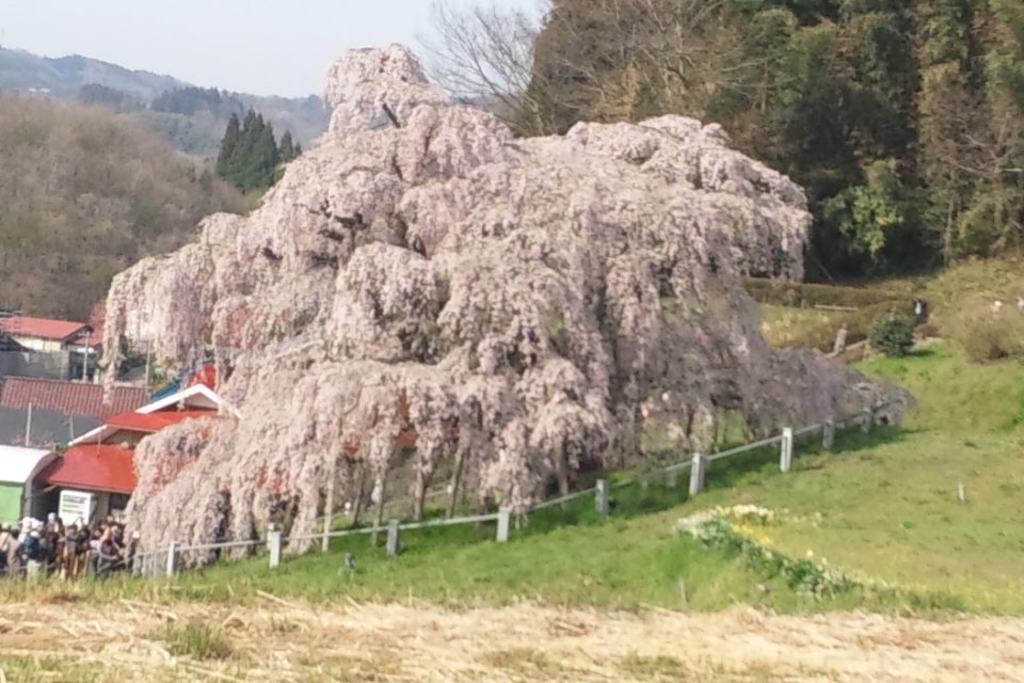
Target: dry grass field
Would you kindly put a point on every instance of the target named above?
(62, 639)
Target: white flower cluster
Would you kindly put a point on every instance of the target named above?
(750, 515)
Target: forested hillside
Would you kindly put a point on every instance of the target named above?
(904, 119)
(83, 195)
(192, 119)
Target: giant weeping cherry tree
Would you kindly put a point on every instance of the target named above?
(423, 295)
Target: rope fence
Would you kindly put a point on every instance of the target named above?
(164, 561)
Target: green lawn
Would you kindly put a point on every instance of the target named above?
(892, 511)
(884, 507)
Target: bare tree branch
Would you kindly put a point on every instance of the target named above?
(486, 54)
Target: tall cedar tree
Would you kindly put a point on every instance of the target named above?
(228, 146)
(249, 156)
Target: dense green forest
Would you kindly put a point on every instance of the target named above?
(250, 153)
(85, 194)
(904, 119)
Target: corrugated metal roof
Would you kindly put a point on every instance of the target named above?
(17, 465)
(48, 427)
(75, 398)
(95, 468)
(41, 328)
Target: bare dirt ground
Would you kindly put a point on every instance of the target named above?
(281, 641)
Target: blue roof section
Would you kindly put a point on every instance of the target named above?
(170, 389)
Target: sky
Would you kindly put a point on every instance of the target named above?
(262, 47)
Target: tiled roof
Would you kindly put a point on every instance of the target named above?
(93, 467)
(41, 328)
(154, 422)
(74, 398)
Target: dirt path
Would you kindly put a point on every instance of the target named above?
(291, 642)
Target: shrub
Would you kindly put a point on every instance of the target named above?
(893, 336)
(986, 336)
(199, 641)
(859, 324)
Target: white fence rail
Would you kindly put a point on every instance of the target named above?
(164, 562)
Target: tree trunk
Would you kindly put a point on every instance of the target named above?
(378, 518)
(947, 237)
(357, 509)
(481, 509)
(422, 481)
(332, 474)
(460, 457)
(562, 472)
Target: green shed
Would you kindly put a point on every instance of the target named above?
(18, 469)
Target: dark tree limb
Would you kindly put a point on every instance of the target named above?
(391, 115)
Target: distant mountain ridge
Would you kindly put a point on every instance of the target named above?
(132, 93)
(64, 77)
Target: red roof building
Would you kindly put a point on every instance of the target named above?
(93, 467)
(71, 398)
(153, 422)
(102, 462)
(70, 349)
(43, 328)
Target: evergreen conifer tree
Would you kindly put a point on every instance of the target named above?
(228, 146)
(287, 148)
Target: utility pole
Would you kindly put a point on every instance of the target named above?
(28, 427)
(148, 356)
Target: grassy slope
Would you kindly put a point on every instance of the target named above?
(892, 512)
(888, 509)
(783, 325)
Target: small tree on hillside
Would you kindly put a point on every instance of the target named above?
(893, 336)
(286, 150)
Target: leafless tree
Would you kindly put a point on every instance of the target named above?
(485, 53)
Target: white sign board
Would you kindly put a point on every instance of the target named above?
(75, 504)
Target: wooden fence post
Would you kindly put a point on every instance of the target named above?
(172, 550)
(274, 544)
(697, 474)
(504, 519)
(869, 417)
(393, 546)
(786, 450)
(601, 497)
(828, 434)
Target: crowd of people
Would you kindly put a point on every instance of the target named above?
(36, 548)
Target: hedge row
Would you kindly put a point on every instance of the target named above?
(806, 295)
